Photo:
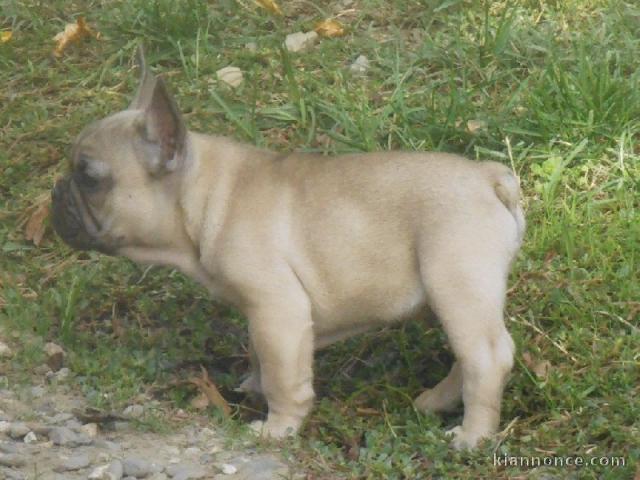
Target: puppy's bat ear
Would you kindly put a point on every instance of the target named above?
(163, 127)
(147, 82)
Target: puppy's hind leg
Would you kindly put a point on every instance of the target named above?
(251, 384)
(468, 297)
(445, 396)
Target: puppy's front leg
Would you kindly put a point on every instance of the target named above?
(281, 333)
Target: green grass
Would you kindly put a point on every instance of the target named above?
(555, 82)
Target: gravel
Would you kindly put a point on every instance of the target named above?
(60, 447)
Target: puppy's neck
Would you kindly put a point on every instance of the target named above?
(209, 178)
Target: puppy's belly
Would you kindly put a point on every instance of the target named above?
(375, 309)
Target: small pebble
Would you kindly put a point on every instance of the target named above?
(90, 430)
(110, 471)
(133, 411)
(228, 469)
(63, 436)
(98, 473)
(192, 451)
(18, 430)
(263, 467)
(12, 460)
(73, 424)
(138, 467)
(58, 376)
(158, 476)
(115, 470)
(38, 391)
(42, 369)
(107, 444)
(232, 76)
(186, 471)
(30, 438)
(9, 447)
(76, 462)
(60, 418)
(11, 474)
(360, 65)
(296, 42)
(5, 351)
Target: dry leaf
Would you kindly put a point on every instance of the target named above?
(208, 388)
(73, 32)
(5, 36)
(200, 402)
(270, 5)
(330, 28)
(35, 227)
(474, 126)
(541, 369)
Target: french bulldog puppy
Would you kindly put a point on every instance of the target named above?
(312, 249)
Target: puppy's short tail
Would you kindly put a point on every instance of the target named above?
(507, 190)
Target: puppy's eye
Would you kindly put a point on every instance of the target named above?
(82, 175)
(87, 180)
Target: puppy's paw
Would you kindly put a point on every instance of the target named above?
(274, 428)
(463, 440)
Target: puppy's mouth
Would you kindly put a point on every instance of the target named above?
(74, 220)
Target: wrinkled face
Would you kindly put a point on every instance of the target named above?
(122, 191)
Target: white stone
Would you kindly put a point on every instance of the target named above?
(62, 374)
(232, 76)
(98, 473)
(296, 42)
(90, 429)
(360, 65)
(228, 469)
(5, 351)
(30, 438)
(114, 472)
(133, 411)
